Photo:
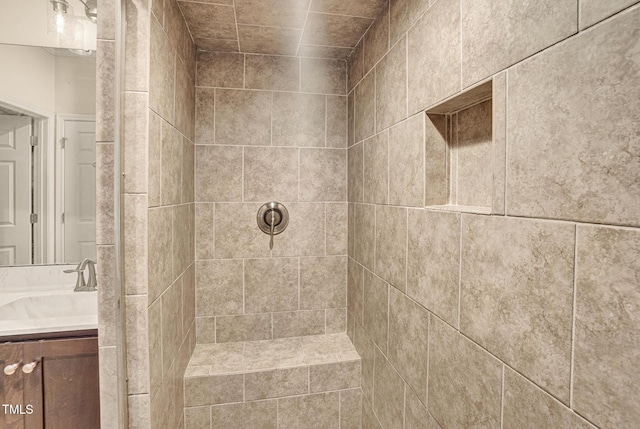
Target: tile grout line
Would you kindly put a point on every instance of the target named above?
(573, 324)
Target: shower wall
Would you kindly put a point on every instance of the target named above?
(518, 309)
(158, 210)
(270, 128)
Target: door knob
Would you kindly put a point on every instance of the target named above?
(11, 369)
(29, 367)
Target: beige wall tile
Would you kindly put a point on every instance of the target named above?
(197, 418)
(155, 346)
(335, 320)
(185, 112)
(135, 244)
(104, 194)
(248, 327)
(577, 182)
(365, 234)
(416, 415)
(182, 230)
(525, 405)
(355, 165)
(473, 156)
(323, 76)
(434, 56)
(298, 323)
(309, 411)
(366, 9)
(242, 117)
(161, 73)
(376, 309)
(406, 162)
(323, 175)
(137, 45)
(220, 69)
(376, 169)
(276, 383)
(171, 324)
(206, 330)
(107, 292)
(272, 72)
(137, 344)
(323, 282)
(391, 87)
(499, 144)
(155, 160)
(408, 329)
(376, 39)
(391, 245)
(433, 262)
(515, 31)
(369, 419)
(135, 142)
(271, 284)
(351, 213)
(305, 235)
(258, 415)
(218, 175)
(334, 376)
(219, 286)
(336, 121)
(333, 30)
(436, 150)
(521, 309)
(298, 119)
(236, 232)
(138, 411)
(171, 159)
(268, 40)
(212, 390)
(465, 382)
(593, 11)
(160, 251)
(365, 107)
(337, 219)
(204, 230)
(366, 350)
(287, 13)
(351, 409)
(607, 335)
(355, 290)
(108, 387)
(388, 393)
(351, 130)
(279, 165)
(403, 14)
(105, 92)
(205, 116)
(209, 21)
(355, 66)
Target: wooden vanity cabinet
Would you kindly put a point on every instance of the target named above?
(62, 392)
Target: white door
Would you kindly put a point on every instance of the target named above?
(79, 190)
(15, 190)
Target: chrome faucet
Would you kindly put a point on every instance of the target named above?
(81, 286)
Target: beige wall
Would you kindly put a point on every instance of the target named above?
(28, 75)
(523, 317)
(270, 128)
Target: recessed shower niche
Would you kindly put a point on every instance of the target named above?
(465, 150)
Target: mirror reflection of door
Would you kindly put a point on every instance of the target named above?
(15, 186)
(79, 184)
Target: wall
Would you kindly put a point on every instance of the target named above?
(270, 128)
(522, 318)
(159, 270)
(75, 85)
(28, 74)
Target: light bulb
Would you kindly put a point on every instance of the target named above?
(60, 22)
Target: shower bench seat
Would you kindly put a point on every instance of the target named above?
(301, 382)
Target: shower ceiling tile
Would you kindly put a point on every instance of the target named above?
(268, 40)
(334, 30)
(315, 51)
(272, 13)
(363, 8)
(209, 21)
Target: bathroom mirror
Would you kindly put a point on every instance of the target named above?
(47, 134)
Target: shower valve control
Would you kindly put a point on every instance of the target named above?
(272, 218)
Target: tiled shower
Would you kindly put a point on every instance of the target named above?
(463, 246)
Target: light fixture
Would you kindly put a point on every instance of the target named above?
(58, 21)
(91, 9)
